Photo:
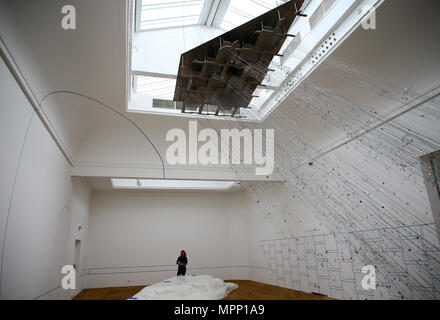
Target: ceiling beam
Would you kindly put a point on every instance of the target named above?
(153, 74)
(220, 13)
(213, 12)
(206, 11)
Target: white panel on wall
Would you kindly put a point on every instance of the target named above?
(136, 236)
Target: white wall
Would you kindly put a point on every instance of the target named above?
(80, 205)
(90, 60)
(354, 207)
(365, 202)
(36, 207)
(135, 237)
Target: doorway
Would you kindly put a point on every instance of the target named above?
(77, 256)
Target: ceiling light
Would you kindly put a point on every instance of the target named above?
(172, 184)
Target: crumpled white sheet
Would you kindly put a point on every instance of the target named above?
(187, 288)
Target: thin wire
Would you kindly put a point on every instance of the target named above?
(22, 149)
(12, 197)
(113, 110)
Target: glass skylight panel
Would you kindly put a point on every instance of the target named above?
(261, 96)
(242, 11)
(170, 13)
(172, 184)
(161, 88)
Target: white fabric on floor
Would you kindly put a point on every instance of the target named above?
(187, 288)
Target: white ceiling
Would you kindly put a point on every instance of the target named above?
(89, 60)
(92, 60)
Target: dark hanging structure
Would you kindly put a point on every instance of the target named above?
(219, 77)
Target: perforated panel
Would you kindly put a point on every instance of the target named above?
(291, 47)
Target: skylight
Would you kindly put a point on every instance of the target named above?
(261, 96)
(157, 14)
(172, 184)
(161, 88)
(321, 28)
(241, 11)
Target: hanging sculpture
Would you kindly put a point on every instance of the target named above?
(220, 76)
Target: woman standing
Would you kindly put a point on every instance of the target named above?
(182, 261)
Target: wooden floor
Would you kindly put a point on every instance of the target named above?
(251, 290)
(248, 290)
(117, 293)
